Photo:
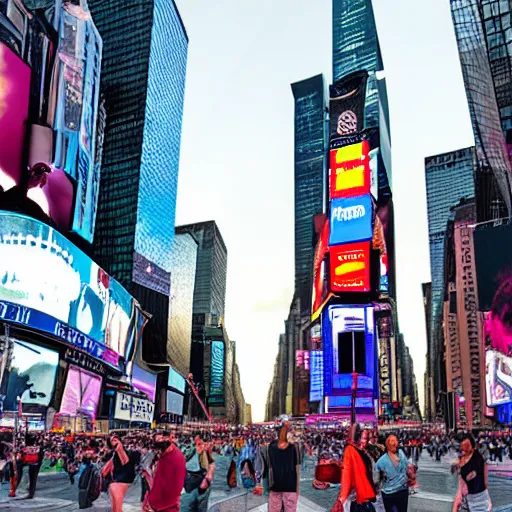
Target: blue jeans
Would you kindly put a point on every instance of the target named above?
(195, 502)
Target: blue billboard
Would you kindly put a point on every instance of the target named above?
(351, 220)
(316, 382)
(217, 374)
(175, 380)
(50, 285)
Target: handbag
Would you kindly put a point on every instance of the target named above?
(193, 480)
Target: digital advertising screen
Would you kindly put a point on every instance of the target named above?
(48, 284)
(351, 220)
(132, 408)
(175, 380)
(350, 170)
(320, 283)
(14, 98)
(29, 373)
(217, 373)
(350, 267)
(316, 380)
(144, 381)
(81, 393)
(498, 378)
(174, 403)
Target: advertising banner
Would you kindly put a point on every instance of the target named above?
(175, 380)
(302, 381)
(81, 393)
(316, 382)
(350, 267)
(217, 374)
(350, 171)
(174, 403)
(28, 371)
(384, 369)
(453, 354)
(498, 378)
(346, 106)
(132, 408)
(320, 284)
(351, 220)
(48, 284)
(14, 97)
(468, 320)
(144, 381)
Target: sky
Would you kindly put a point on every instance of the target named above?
(237, 153)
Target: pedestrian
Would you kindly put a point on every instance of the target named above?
(393, 467)
(167, 483)
(200, 468)
(473, 472)
(283, 460)
(32, 456)
(146, 463)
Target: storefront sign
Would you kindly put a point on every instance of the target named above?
(351, 220)
(83, 360)
(132, 408)
(384, 370)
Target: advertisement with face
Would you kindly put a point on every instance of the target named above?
(14, 97)
(351, 220)
(29, 373)
(350, 267)
(81, 393)
(217, 373)
(48, 284)
(498, 378)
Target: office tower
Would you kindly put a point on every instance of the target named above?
(211, 272)
(483, 29)
(430, 403)
(145, 46)
(309, 179)
(183, 275)
(449, 178)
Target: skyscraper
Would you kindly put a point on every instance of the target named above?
(142, 138)
(309, 179)
(483, 30)
(449, 178)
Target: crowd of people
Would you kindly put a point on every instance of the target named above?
(377, 471)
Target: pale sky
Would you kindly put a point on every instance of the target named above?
(237, 157)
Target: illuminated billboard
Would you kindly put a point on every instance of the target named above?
(217, 374)
(48, 284)
(81, 393)
(174, 403)
(350, 171)
(316, 380)
(351, 220)
(144, 381)
(14, 97)
(320, 289)
(175, 380)
(498, 378)
(350, 267)
(133, 408)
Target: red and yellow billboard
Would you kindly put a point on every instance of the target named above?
(350, 171)
(350, 267)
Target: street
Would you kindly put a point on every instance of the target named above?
(437, 487)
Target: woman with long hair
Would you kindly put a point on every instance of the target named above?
(393, 467)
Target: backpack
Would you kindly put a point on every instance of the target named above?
(89, 486)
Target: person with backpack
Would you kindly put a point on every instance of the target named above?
(89, 483)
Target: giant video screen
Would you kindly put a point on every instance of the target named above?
(217, 374)
(81, 393)
(28, 371)
(174, 403)
(498, 378)
(175, 380)
(48, 284)
(144, 381)
(316, 382)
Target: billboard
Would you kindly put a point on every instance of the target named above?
(81, 393)
(346, 106)
(29, 372)
(498, 378)
(350, 267)
(174, 403)
(132, 408)
(351, 220)
(320, 283)
(316, 382)
(144, 381)
(350, 170)
(175, 380)
(48, 284)
(217, 374)
(14, 98)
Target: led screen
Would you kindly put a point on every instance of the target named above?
(217, 373)
(350, 267)
(351, 220)
(14, 96)
(320, 289)
(28, 371)
(316, 383)
(48, 284)
(498, 378)
(132, 408)
(174, 403)
(175, 380)
(81, 393)
(350, 170)
(144, 381)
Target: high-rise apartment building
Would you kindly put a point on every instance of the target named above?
(482, 28)
(309, 179)
(211, 272)
(449, 178)
(146, 46)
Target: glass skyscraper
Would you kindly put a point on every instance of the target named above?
(484, 37)
(143, 82)
(310, 148)
(449, 178)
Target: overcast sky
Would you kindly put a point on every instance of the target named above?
(237, 149)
